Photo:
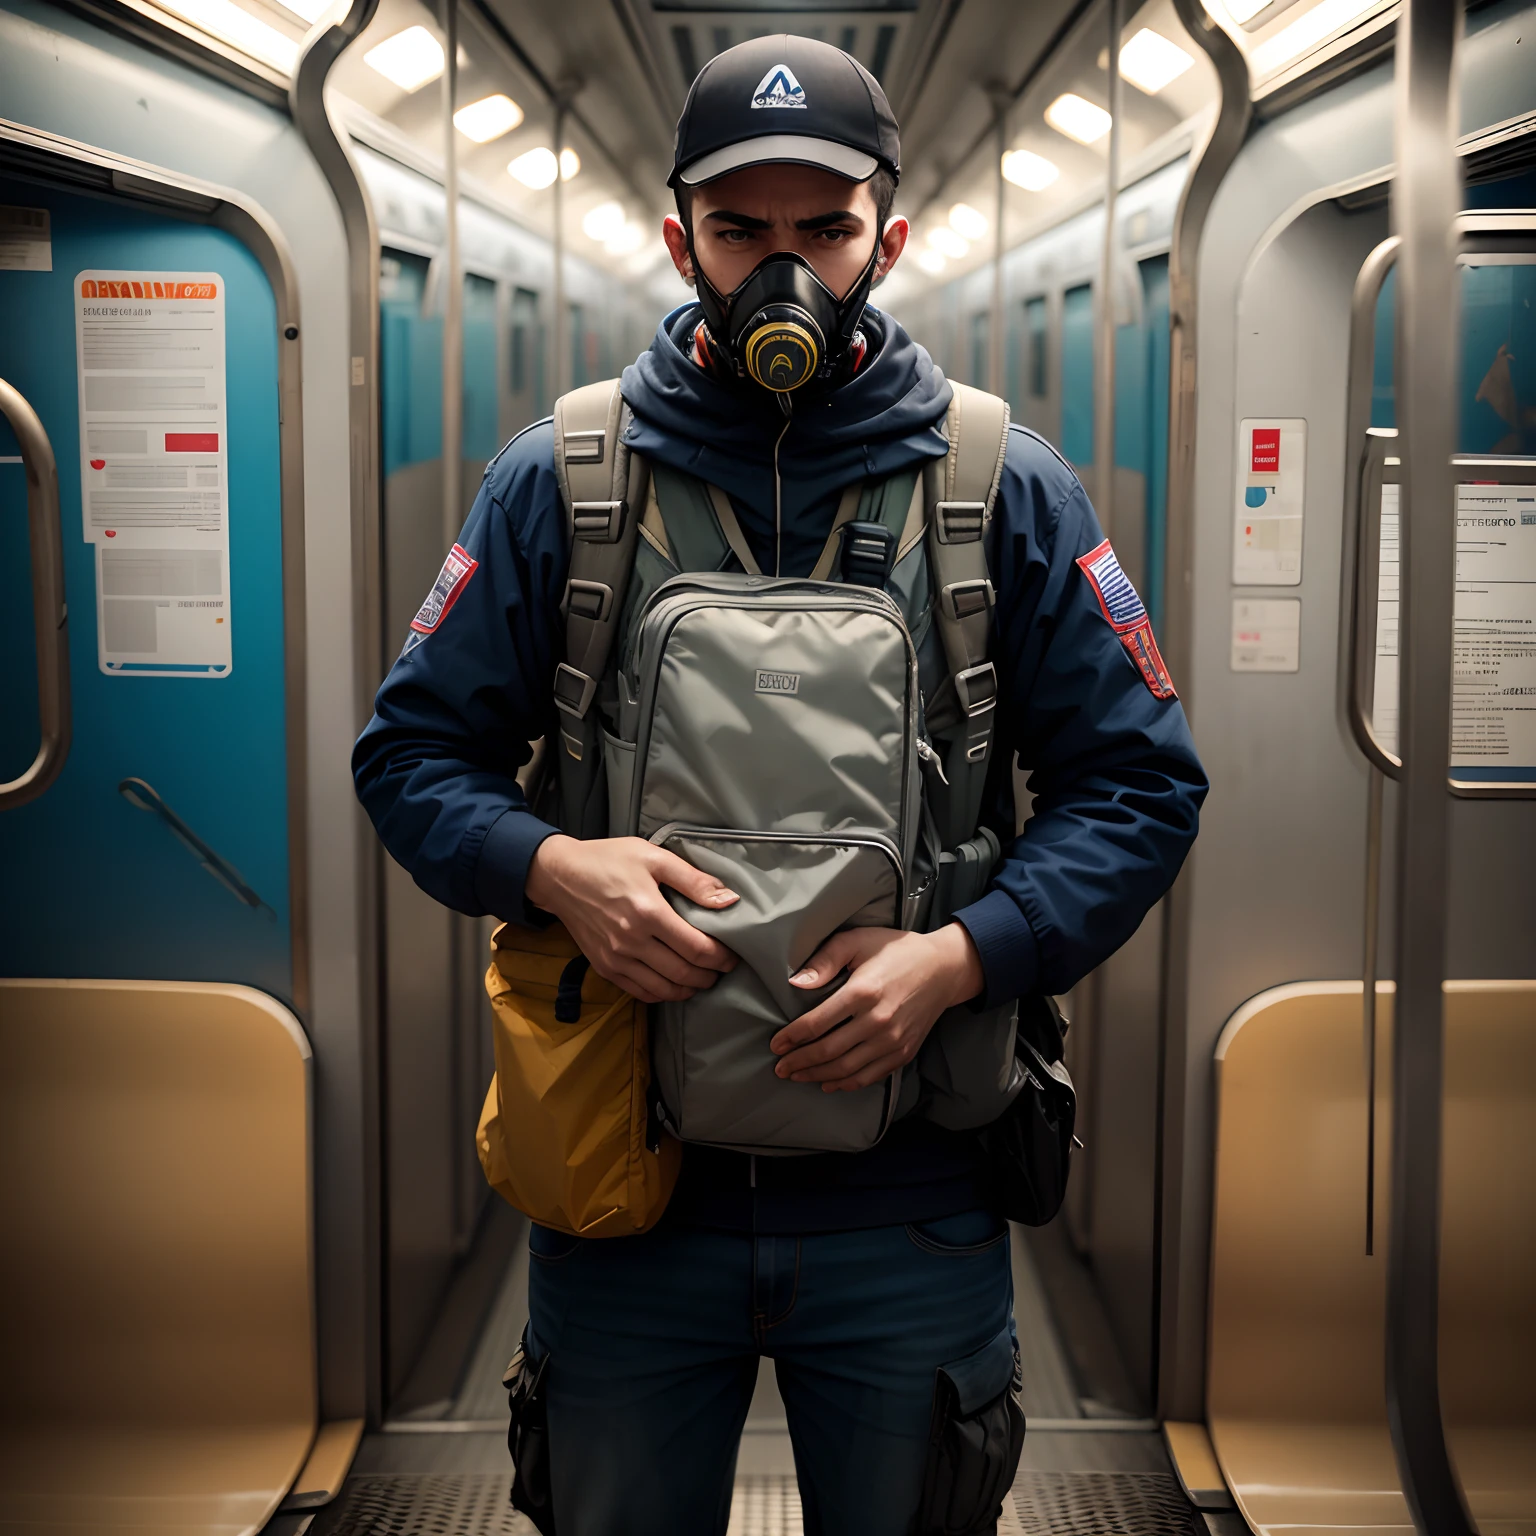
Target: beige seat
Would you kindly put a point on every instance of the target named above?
(1296, 1396)
(158, 1326)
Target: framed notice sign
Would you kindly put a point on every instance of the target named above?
(1493, 710)
(154, 477)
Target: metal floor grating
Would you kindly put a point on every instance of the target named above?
(766, 1505)
(1102, 1504)
(1044, 1504)
(433, 1504)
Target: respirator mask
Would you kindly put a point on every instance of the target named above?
(783, 328)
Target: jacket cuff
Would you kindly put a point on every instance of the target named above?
(1009, 950)
(501, 871)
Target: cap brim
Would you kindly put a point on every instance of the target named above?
(780, 149)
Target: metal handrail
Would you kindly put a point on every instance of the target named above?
(1426, 196)
(50, 615)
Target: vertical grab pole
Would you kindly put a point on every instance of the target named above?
(1104, 371)
(461, 945)
(561, 357)
(453, 288)
(997, 373)
(1425, 199)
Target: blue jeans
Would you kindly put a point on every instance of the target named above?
(654, 1344)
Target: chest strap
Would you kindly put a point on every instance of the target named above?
(603, 487)
(960, 490)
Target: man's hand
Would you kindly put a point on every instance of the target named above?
(607, 892)
(899, 984)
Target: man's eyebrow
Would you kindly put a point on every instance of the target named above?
(740, 220)
(823, 220)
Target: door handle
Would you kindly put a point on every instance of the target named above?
(50, 616)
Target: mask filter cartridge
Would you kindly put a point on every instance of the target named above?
(784, 347)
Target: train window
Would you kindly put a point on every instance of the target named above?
(481, 434)
(981, 325)
(1035, 342)
(1154, 391)
(1077, 375)
(1498, 357)
(410, 363)
(525, 305)
(576, 322)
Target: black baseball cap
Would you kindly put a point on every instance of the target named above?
(784, 100)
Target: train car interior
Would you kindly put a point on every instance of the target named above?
(279, 279)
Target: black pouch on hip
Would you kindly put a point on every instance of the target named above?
(1029, 1149)
(975, 1439)
(528, 1439)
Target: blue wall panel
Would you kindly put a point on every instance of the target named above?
(94, 886)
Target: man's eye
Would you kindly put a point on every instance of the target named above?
(735, 236)
(834, 236)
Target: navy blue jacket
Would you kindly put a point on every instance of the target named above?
(1082, 700)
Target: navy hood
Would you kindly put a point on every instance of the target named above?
(887, 418)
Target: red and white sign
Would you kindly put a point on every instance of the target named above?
(1270, 501)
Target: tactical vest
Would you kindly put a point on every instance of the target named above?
(819, 744)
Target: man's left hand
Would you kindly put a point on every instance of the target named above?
(898, 985)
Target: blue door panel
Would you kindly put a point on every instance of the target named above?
(94, 886)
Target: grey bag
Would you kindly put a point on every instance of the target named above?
(772, 732)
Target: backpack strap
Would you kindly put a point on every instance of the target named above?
(959, 491)
(604, 488)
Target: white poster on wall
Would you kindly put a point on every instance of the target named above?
(154, 479)
(1493, 709)
(1270, 500)
(1266, 634)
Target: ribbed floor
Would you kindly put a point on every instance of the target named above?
(1043, 1504)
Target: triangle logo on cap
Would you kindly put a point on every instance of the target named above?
(778, 88)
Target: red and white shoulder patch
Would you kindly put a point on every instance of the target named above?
(450, 583)
(1127, 616)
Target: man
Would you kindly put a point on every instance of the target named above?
(862, 1275)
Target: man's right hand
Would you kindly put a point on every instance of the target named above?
(607, 892)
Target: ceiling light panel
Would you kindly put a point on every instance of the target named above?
(1321, 22)
(1150, 62)
(932, 262)
(229, 24)
(488, 118)
(603, 222)
(536, 168)
(625, 241)
(409, 59)
(947, 243)
(967, 222)
(1026, 169)
(1078, 119)
(1237, 10)
(309, 11)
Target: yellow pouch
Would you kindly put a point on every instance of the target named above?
(562, 1135)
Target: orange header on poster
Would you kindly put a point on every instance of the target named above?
(144, 288)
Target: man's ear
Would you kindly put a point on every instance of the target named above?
(676, 236)
(893, 241)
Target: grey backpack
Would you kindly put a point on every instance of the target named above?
(819, 744)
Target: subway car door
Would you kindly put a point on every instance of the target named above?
(148, 348)
(154, 1077)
